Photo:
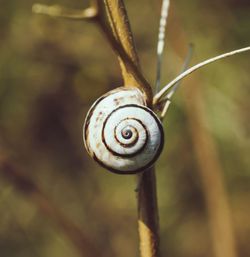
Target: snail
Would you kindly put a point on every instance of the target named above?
(121, 133)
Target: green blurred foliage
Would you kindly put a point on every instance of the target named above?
(51, 71)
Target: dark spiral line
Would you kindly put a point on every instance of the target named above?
(125, 145)
(130, 144)
(110, 167)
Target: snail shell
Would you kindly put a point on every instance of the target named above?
(121, 133)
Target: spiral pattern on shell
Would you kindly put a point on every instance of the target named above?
(121, 133)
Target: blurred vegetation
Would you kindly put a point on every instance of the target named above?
(51, 70)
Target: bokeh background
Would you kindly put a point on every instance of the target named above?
(54, 200)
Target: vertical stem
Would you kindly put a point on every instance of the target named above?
(148, 220)
(125, 50)
(121, 29)
(147, 199)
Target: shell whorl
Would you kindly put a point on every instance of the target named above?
(121, 133)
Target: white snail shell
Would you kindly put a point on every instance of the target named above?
(121, 133)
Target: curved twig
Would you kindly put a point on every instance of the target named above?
(159, 95)
(167, 98)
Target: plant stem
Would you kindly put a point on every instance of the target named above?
(147, 198)
(121, 39)
(148, 219)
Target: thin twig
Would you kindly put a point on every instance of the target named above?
(167, 98)
(159, 95)
(161, 41)
(58, 11)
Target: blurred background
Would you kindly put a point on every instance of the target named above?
(55, 201)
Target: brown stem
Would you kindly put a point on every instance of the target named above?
(148, 220)
(47, 207)
(147, 197)
(122, 31)
(119, 35)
